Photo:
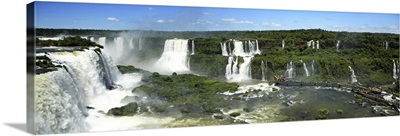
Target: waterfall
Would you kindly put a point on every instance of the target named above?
(386, 45)
(337, 46)
(313, 44)
(175, 56)
(353, 78)
(317, 44)
(228, 68)
(140, 44)
(119, 49)
(131, 44)
(238, 48)
(223, 49)
(230, 50)
(305, 69)
(245, 69)
(92, 39)
(58, 104)
(61, 96)
(192, 47)
(258, 50)
(290, 73)
(283, 44)
(395, 72)
(312, 67)
(264, 71)
(102, 41)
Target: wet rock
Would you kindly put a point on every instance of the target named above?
(127, 110)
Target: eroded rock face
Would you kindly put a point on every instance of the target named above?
(127, 110)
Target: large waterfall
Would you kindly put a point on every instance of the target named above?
(87, 78)
(246, 50)
(353, 77)
(312, 67)
(175, 56)
(290, 73)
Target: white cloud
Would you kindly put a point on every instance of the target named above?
(207, 13)
(272, 24)
(165, 21)
(233, 20)
(112, 19)
(160, 21)
(393, 26)
(204, 22)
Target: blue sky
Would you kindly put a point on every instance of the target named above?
(172, 18)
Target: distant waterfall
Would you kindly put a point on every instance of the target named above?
(263, 71)
(258, 50)
(140, 44)
(337, 46)
(283, 44)
(223, 49)
(317, 45)
(131, 44)
(102, 41)
(353, 76)
(395, 71)
(386, 45)
(312, 67)
(290, 73)
(175, 56)
(192, 47)
(307, 74)
(230, 49)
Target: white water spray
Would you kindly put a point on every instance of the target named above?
(290, 73)
(175, 56)
(337, 46)
(395, 72)
(353, 77)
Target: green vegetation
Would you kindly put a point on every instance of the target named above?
(127, 110)
(339, 111)
(235, 114)
(75, 41)
(132, 69)
(321, 117)
(189, 92)
(324, 111)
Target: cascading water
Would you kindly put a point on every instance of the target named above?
(307, 74)
(386, 45)
(119, 48)
(317, 44)
(264, 71)
(230, 49)
(290, 73)
(312, 67)
(223, 49)
(62, 95)
(102, 41)
(175, 56)
(192, 47)
(283, 44)
(353, 77)
(245, 69)
(131, 44)
(228, 68)
(395, 72)
(140, 44)
(258, 50)
(337, 46)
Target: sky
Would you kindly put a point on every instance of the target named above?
(175, 18)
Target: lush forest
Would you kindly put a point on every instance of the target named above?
(366, 53)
